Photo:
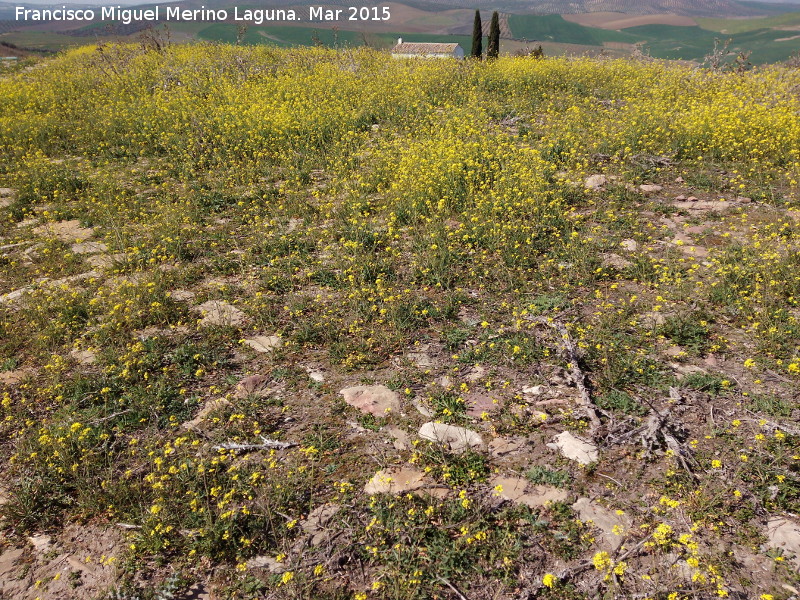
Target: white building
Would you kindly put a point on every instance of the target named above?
(426, 50)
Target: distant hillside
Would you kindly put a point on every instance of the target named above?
(704, 8)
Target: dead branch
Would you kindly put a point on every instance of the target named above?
(266, 444)
(577, 374)
(452, 587)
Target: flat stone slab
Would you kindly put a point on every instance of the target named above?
(316, 524)
(715, 205)
(6, 192)
(106, 261)
(400, 439)
(611, 260)
(456, 439)
(653, 319)
(208, 408)
(219, 312)
(784, 534)
(519, 491)
(85, 357)
(574, 448)
(14, 377)
(422, 409)
(649, 188)
(613, 524)
(420, 357)
(534, 390)
(479, 403)
(264, 343)
(395, 481)
(476, 373)
(182, 295)
(66, 231)
(41, 543)
(88, 248)
(595, 182)
(254, 385)
(377, 400)
(315, 374)
(503, 446)
(267, 562)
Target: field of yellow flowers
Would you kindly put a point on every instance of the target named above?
(323, 324)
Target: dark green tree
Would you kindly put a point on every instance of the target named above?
(493, 49)
(477, 36)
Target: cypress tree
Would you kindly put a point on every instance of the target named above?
(493, 49)
(477, 36)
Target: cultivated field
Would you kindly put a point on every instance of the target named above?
(611, 20)
(324, 324)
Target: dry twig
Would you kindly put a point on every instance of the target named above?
(266, 444)
(577, 374)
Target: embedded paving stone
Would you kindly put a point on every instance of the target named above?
(41, 543)
(85, 357)
(610, 260)
(400, 439)
(5, 202)
(476, 373)
(267, 562)
(456, 439)
(502, 446)
(219, 312)
(66, 231)
(613, 524)
(182, 295)
(420, 357)
(422, 409)
(73, 278)
(537, 415)
(542, 495)
(574, 448)
(88, 248)
(674, 351)
(254, 385)
(208, 408)
(479, 404)
(315, 374)
(395, 481)
(595, 182)
(105, 261)
(686, 245)
(629, 245)
(684, 370)
(196, 591)
(15, 295)
(650, 188)
(6, 192)
(9, 560)
(784, 534)
(317, 521)
(377, 400)
(535, 390)
(714, 205)
(14, 377)
(653, 319)
(516, 490)
(444, 381)
(264, 343)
